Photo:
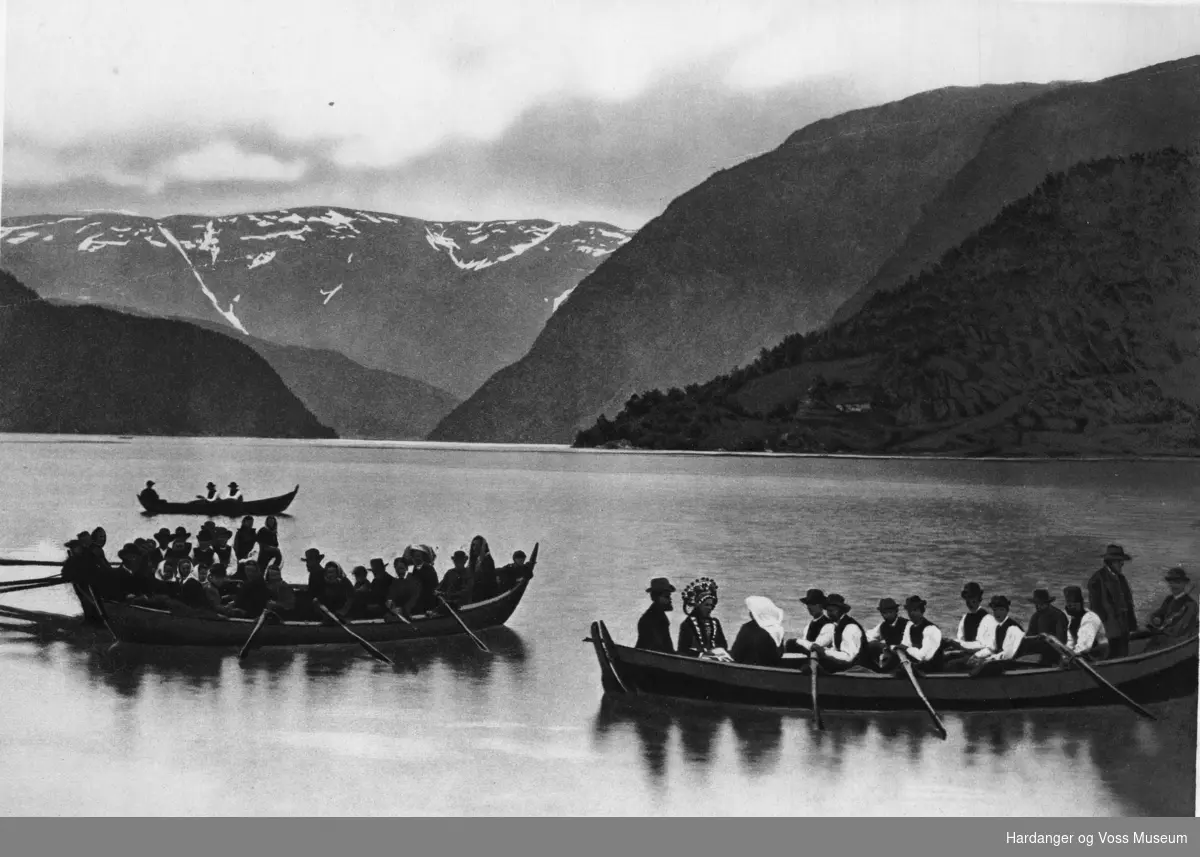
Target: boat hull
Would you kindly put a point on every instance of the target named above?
(1146, 677)
(149, 626)
(223, 508)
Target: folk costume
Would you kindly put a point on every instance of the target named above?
(699, 635)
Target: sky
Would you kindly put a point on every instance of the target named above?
(558, 109)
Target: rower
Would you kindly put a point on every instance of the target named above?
(149, 495)
(282, 598)
(815, 602)
(843, 649)
(381, 582)
(244, 539)
(458, 586)
(1004, 644)
(221, 545)
(889, 632)
(508, 576)
(1045, 619)
(253, 596)
(1176, 618)
(654, 628)
(235, 493)
(404, 592)
(922, 639)
(210, 493)
(974, 629)
(268, 542)
(1086, 636)
(163, 537)
(335, 589)
(1110, 598)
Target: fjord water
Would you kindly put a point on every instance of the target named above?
(148, 731)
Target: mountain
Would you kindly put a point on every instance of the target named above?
(767, 248)
(92, 370)
(444, 303)
(1151, 108)
(1069, 325)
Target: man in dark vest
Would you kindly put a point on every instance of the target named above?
(880, 639)
(1086, 636)
(1176, 620)
(149, 495)
(654, 628)
(846, 640)
(974, 630)
(922, 638)
(1109, 597)
(815, 602)
(1046, 619)
(1004, 643)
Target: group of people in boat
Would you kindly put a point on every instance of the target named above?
(211, 493)
(166, 571)
(986, 640)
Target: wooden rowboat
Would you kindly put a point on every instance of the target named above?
(222, 508)
(150, 626)
(1146, 676)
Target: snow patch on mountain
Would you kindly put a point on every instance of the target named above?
(150, 240)
(23, 237)
(85, 226)
(292, 218)
(297, 234)
(228, 314)
(210, 242)
(94, 242)
(260, 259)
(335, 219)
(329, 294)
(558, 301)
(5, 230)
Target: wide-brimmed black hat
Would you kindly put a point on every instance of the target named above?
(211, 485)
(1073, 593)
(1116, 552)
(311, 553)
(999, 601)
(1042, 596)
(971, 590)
(836, 600)
(233, 485)
(377, 562)
(128, 549)
(1177, 575)
(660, 584)
(182, 533)
(149, 482)
(914, 602)
(210, 524)
(887, 604)
(458, 554)
(814, 596)
(359, 571)
(162, 532)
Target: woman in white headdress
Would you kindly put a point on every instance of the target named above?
(760, 641)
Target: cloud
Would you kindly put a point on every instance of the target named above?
(223, 160)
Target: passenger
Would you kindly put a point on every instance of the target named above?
(282, 598)
(1110, 598)
(268, 542)
(171, 586)
(844, 649)
(458, 586)
(974, 629)
(253, 596)
(381, 582)
(163, 537)
(360, 596)
(221, 548)
(484, 568)
(125, 579)
(888, 633)
(422, 559)
(654, 628)
(404, 595)
(315, 589)
(154, 552)
(219, 580)
(192, 593)
(1176, 618)
(235, 493)
(335, 590)
(1086, 636)
(149, 495)
(1046, 619)
(210, 492)
(508, 576)
(922, 638)
(204, 552)
(815, 602)
(210, 582)
(1005, 643)
(760, 641)
(99, 538)
(701, 634)
(244, 539)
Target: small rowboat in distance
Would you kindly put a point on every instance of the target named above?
(222, 508)
(1146, 676)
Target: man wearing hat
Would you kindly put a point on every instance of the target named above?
(360, 595)
(1176, 619)
(845, 640)
(381, 582)
(508, 576)
(211, 493)
(1003, 645)
(245, 539)
(1046, 619)
(458, 586)
(1085, 629)
(1109, 597)
(654, 628)
(163, 537)
(148, 494)
(922, 639)
(404, 593)
(817, 628)
(889, 632)
(235, 493)
(974, 629)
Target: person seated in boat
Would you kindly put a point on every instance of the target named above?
(458, 586)
(268, 541)
(77, 568)
(1176, 618)
(922, 639)
(148, 494)
(234, 493)
(880, 639)
(654, 628)
(153, 553)
(245, 539)
(814, 601)
(404, 594)
(1004, 645)
(516, 571)
(191, 590)
(126, 577)
(204, 548)
(210, 492)
(222, 551)
(99, 538)
(760, 641)
(844, 647)
(282, 600)
(484, 567)
(701, 634)
(381, 582)
(334, 591)
(253, 595)
(1045, 619)
(421, 559)
(1086, 636)
(218, 579)
(974, 629)
(163, 538)
(360, 596)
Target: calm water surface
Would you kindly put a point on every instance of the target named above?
(527, 731)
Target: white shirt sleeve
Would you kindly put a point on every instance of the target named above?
(1012, 641)
(851, 644)
(875, 635)
(1091, 633)
(824, 637)
(985, 631)
(931, 640)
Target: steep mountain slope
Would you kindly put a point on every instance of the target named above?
(96, 371)
(1068, 325)
(445, 303)
(1151, 108)
(758, 251)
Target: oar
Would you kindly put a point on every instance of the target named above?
(91, 591)
(396, 612)
(460, 621)
(816, 705)
(261, 621)
(1090, 670)
(371, 650)
(54, 578)
(908, 668)
(22, 562)
(21, 586)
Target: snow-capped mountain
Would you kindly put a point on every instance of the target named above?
(447, 303)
